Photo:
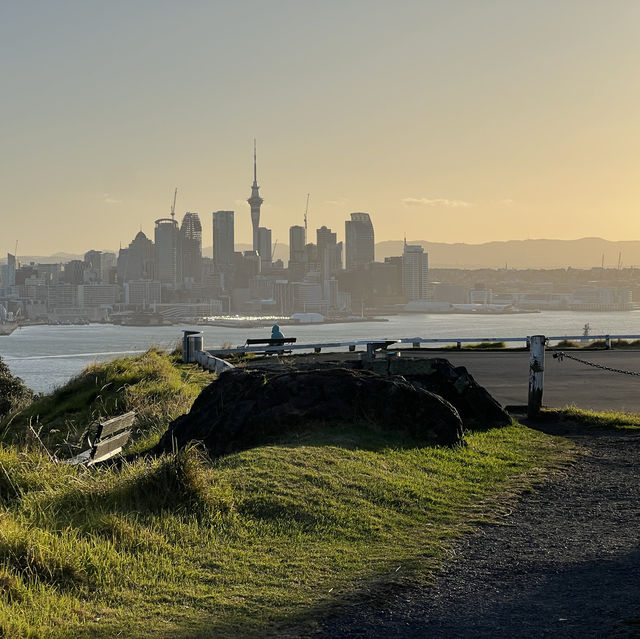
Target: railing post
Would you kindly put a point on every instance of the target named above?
(536, 374)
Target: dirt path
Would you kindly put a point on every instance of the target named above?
(566, 562)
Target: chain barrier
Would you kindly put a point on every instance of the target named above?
(560, 355)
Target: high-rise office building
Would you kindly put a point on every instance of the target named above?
(191, 247)
(255, 202)
(137, 262)
(93, 262)
(223, 239)
(329, 252)
(297, 241)
(264, 246)
(415, 272)
(297, 253)
(9, 271)
(167, 248)
(359, 241)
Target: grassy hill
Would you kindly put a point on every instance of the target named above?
(247, 545)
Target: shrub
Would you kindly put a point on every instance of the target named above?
(14, 395)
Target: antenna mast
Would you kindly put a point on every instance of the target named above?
(173, 207)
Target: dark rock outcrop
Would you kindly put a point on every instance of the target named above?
(474, 403)
(245, 408)
(476, 406)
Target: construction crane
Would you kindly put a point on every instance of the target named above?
(306, 210)
(173, 207)
(273, 251)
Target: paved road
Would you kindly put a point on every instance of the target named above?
(506, 376)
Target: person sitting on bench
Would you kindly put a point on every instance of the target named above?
(275, 332)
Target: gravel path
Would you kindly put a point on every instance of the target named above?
(566, 562)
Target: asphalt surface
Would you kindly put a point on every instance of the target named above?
(506, 376)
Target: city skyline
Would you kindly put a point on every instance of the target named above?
(450, 122)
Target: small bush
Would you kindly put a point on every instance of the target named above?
(14, 395)
(566, 343)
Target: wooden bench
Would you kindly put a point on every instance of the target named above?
(382, 345)
(272, 341)
(110, 438)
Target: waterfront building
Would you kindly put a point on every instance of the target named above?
(255, 202)
(359, 241)
(96, 294)
(415, 272)
(307, 297)
(62, 296)
(142, 293)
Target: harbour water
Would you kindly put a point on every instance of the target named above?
(47, 356)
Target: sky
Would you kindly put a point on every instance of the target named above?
(449, 121)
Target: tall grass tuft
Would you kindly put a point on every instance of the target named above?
(154, 384)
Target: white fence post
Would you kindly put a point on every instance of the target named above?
(536, 374)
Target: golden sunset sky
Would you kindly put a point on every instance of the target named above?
(454, 121)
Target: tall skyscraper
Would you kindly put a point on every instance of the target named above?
(9, 271)
(167, 243)
(297, 253)
(255, 202)
(137, 262)
(191, 247)
(329, 251)
(297, 242)
(223, 239)
(415, 272)
(264, 246)
(359, 240)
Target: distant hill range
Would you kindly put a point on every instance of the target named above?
(587, 252)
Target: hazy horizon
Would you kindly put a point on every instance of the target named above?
(454, 122)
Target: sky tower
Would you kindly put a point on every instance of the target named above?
(255, 201)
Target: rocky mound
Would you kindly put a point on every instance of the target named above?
(245, 408)
(477, 407)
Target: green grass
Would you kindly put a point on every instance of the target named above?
(257, 543)
(593, 419)
(250, 544)
(155, 384)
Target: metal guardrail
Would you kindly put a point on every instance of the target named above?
(414, 341)
(536, 344)
(317, 347)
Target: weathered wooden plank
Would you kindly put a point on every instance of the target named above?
(107, 448)
(111, 426)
